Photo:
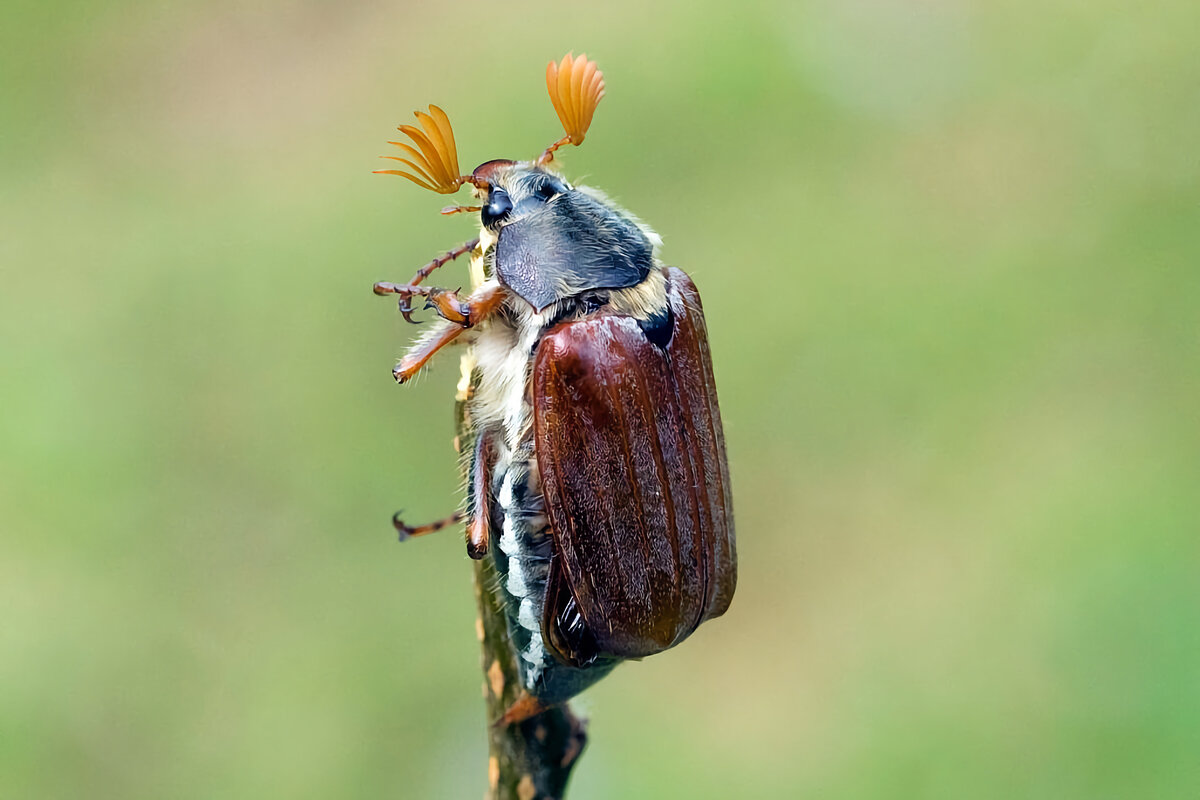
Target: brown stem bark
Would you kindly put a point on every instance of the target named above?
(532, 759)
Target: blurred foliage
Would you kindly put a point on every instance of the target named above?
(949, 257)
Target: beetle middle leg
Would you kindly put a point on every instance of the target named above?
(479, 528)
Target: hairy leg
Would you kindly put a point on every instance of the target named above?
(460, 314)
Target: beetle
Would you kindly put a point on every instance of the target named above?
(598, 481)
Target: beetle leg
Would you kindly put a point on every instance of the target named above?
(448, 306)
(477, 308)
(479, 528)
(450, 255)
(417, 357)
(408, 290)
(526, 706)
(408, 532)
(470, 312)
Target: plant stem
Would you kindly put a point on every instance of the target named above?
(532, 759)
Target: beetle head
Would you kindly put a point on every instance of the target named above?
(553, 240)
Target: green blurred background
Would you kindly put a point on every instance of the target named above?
(949, 254)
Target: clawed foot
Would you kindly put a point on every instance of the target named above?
(448, 306)
(407, 292)
(443, 301)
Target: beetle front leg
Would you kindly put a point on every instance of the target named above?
(446, 303)
(424, 350)
(448, 306)
(407, 292)
(462, 249)
(459, 314)
(467, 313)
(424, 272)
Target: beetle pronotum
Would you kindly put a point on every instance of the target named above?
(598, 480)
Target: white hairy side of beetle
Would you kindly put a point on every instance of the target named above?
(498, 360)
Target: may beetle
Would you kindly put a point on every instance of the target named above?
(599, 482)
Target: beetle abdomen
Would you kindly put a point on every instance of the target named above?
(523, 548)
(522, 557)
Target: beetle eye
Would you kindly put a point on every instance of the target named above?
(549, 189)
(498, 206)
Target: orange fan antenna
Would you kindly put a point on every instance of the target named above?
(575, 87)
(433, 163)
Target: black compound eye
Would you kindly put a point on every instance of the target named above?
(498, 206)
(549, 189)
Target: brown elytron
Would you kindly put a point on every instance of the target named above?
(632, 454)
